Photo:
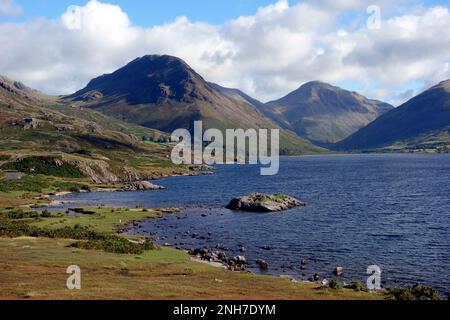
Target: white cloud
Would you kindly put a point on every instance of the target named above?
(9, 8)
(266, 54)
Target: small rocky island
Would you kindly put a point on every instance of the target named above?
(260, 202)
(141, 186)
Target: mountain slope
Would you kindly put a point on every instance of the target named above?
(422, 122)
(103, 148)
(239, 95)
(163, 92)
(324, 113)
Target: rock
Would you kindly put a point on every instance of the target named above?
(259, 202)
(242, 248)
(263, 265)
(29, 123)
(325, 283)
(316, 277)
(303, 262)
(65, 127)
(240, 260)
(142, 185)
(222, 256)
(338, 271)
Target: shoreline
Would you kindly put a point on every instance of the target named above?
(197, 260)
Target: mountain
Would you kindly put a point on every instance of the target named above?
(239, 95)
(324, 113)
(164, 93)
(421, 123)
(103, 148)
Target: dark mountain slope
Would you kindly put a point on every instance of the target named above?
(163, 92)
(422, 122)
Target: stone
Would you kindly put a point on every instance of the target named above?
(338, 271)
(142, 185)
(263, 265)
(259, 202)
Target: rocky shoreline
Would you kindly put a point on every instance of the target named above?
(239, 263)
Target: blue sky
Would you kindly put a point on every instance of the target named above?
(150, 12)
(147, 13)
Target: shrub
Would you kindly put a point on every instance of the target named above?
(82, 211)
(20, 214)
(415, 292)
(335, 284)
(357, 286)
(114, 245)
(92, 239)
(4, 157)
(27, 184)
(46, 214)
(46, 166)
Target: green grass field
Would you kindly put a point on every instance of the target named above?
(35, 268)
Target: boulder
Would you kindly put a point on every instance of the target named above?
(263, 265)
(142, 185)
(240, 260)
(259, 202)
(338, 271)
(238, 263)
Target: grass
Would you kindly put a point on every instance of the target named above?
(104, 219)
(35, 268)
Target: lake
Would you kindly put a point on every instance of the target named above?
(390, 210)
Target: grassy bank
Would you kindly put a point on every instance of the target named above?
(35, 268)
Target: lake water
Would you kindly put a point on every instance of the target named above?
(377, 209)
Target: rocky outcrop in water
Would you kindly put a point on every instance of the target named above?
(142, 185)
(259, 202)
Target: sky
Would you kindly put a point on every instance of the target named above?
(384, 49)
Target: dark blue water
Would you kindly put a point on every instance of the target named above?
(389, 210)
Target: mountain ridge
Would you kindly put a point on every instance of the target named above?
(164, 93)
(324, 113)
(421, 122)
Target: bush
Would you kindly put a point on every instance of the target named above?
(20, 214)
(27, 184)
(114, 245)
(20, 228)
(416, 292)
(71, 186)
(93, 239)
(82, 211)
(46, 166)
(335, 284)
(357, 286)
(46, 214)
(4, 157)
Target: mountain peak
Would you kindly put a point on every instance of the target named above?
(145, 80)
(324, 113)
